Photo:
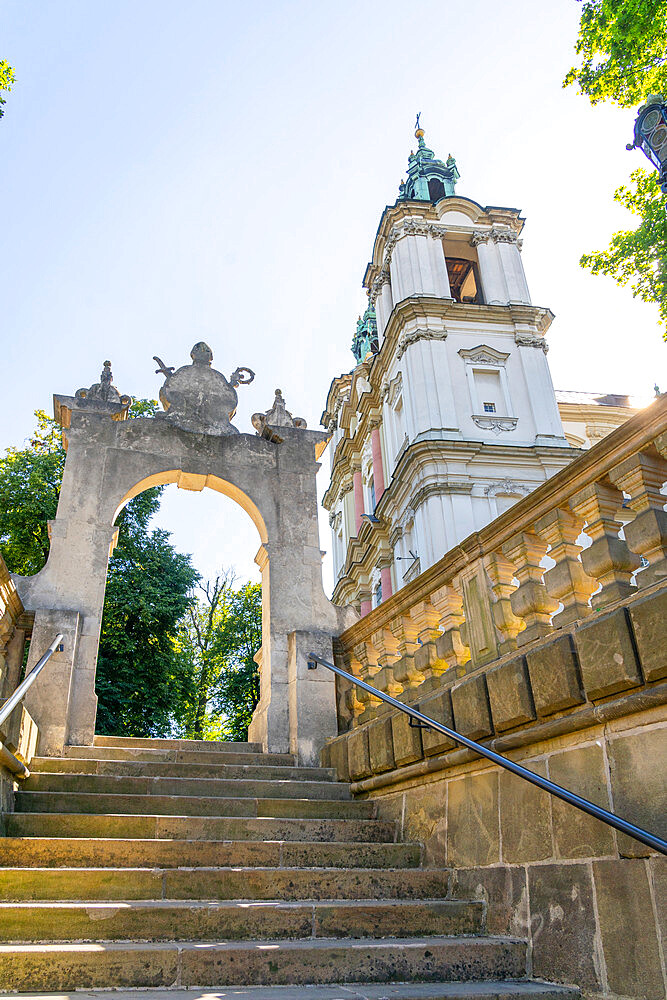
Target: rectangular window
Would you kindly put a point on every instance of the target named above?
(378, 595)
(489, 407)
(371, 490)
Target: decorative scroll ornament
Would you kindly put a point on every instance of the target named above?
(495, 235)
(199, 399)
(103, 391)
(506, 486)
(531, 340)
(414, 336)
(268, 425)
(496, 424)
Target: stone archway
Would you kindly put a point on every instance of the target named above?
(271, 474)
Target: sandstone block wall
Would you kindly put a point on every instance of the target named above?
(587, 709)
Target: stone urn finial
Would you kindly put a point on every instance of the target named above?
(198, 398)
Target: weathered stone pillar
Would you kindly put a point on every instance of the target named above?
(312, 696)
(50, 699)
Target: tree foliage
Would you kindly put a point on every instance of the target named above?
(220, 635)
(638, 257)
(7, 78)
(238, 641)
(30, 479)
(142, 683)
(622, 46)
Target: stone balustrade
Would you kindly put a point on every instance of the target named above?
(18, 734)
(495, 592)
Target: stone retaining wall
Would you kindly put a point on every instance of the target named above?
(587, 709)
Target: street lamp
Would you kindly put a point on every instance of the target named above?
(651, 135)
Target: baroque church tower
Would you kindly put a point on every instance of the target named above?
(450, 414)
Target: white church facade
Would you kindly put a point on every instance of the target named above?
(450, 414)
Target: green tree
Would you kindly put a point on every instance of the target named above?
(622, 46)
(30, 479)
(220, 635)
(638, 257)
(7, 78)
(238, 641)
(142, 683)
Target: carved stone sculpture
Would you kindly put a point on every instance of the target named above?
(198, 398)
(102, 398)
(103, 390)
(268, 424)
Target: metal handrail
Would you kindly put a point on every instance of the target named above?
(29, 680)
(656, 843)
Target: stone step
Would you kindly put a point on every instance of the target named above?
(176, 744)
(175, 769)
(190, 805)
(485, 990)
(234, 883)
(181, 756)
(196, 827)
(48, 852)
(218, 787)
(170, 920)
(205, 963)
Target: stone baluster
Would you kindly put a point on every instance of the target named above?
(388, 654)
(530, 600)
(567, 581)
(450, 646)
(501, 574)
(608, 560)
(354, 706)
(641, 476)
(367, 657)
(345, 700)
(406, 633)
(427, 661)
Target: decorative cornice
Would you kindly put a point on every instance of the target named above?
(414, 336)
(494, 423)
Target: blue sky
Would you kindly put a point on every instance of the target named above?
(175, 172)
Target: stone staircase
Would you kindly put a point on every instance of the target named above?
(174, 863)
